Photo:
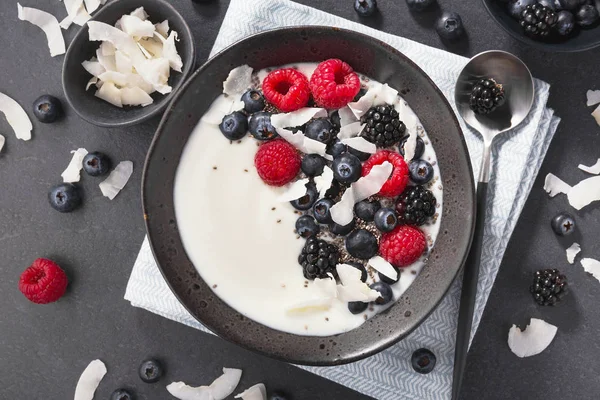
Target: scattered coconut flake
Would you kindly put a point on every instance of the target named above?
(238, 81)
(324, 181)
(327, 286)
(46, 22)
(117, 78)
(384, 267)
(591, 266)
(162, 28)
(347, 117)
(185, 392)
(89, 380)
(94, 67)
(72, 173)
(135, 96)
(117, 179)
(352, 288)
(145, 52)
(360, 144)
(312, 146)
(256, 392)
(596, 115)
(169, 51)
(107, 62)
(593, 97)
(110, 93)
(141, 14)
(16, 117)
(2, 141)
(386, 95)
(572, 252)
(585, 192)
(137, 28)
(123, 63)
(410, 146)
(350, 130)
(224, 385)
(310, 306)
(294, 191)
(107, 49)
(91, 82)
(76, 14)
(297, 118)
(92, 5)
(156, 72)
(553, 185)
(220, 107)
(154, 46)
(533, 340)
(594, 169)
(360, 107)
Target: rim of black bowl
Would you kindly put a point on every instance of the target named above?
(164, 101)
(551, 47)
(248, 344)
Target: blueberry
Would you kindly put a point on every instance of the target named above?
(362, 156)
(563, 224)
(335, 119)
(362, 244)
(322, 210)
(356, 307)
(234, 126)
(347, 168)
(306, 202)
(419, 148)
(342, 230)
(47, 109)
(419, 5)
(96, 164)
(423, 361)
(587, 15)
(568, 4)
(420, 171)
(64, 197)
(551, 4)
(334, 190)
(450, 26)
(565, 24)
(386, 219)
(150, 371)
(319, 129)
(336, 148)
(306, 226)
(387, 280)
(365, 8)
(121, 394)
(313, 164)
(366, 209)
(259, 125)
(516, 8)
(253, 101)
(385, 291)
(361, 268)
(278, 396)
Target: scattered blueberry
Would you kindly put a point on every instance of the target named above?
(64, 197)
(450, 26)
(259, 125)
(387, 280)
(121, 394)
(47, 109)
(150, 371)
(587, 15)
(361, 268)
(234, 126)
(322, 210)
(336, 148)
(420, 171)
(517, 7)
(253, 101)
(362, 244)
(335, 119)
(386, 219)
(319, 129)
(365, 8)
(566, 4)
(384, 290)
(342, 230)
(423, 361)
(278, 396)
(356, 307)
(366, 209)
(563, 224)
(565, 24)
(96, 164)
(419, 148)
(306, 226)
(419, 5)
(306, 202)
(347, 168)
(313, 164)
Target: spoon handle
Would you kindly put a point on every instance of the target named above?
(469, 292)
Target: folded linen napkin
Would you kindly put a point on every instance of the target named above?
(517, 157)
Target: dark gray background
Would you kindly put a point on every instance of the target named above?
(43, 349)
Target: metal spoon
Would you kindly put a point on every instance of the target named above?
(517, 82)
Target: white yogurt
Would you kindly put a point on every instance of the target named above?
(241, 239)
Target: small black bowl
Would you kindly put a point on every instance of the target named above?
(75, 77)
(584, 39)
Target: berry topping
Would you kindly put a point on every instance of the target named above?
(356, 307)
(277, 162)
(365, 8)
(342, 230)
(322, 211)
(486, 96)
(253, 101)
(383, 126)
(150, 371)
(43, 282)
(319, 129)
(121, 394)
(234, 126)
(419, 148)
(385, 292)
(415, 206)
(398, 180)
(337, 148)
(313, 164)
(64, 197)
(317, 258)
(346, 168)
(549, 287)
(516, 8)
(420, 171)
(386, 219)
(362, 244)
(565, 23)
(587, 15)
(287, 89)
(387, 280)
(366, 209)
(306, 226)
(260, 126)
(563, 224)
(423, 361)
(47, 109)
(334, 84)
(361, 268)
(537, 20)
(96, 164)
(306, 202)
(402, 246)
(450, 26)
(419, 5)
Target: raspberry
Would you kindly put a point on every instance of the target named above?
(287, 89)
(397, 182)
(334, 84)
(402, 246)
(277, 162)
(43, 282)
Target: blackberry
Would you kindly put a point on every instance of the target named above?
(384, 127)
(317, 258)
(415, 206)
(537, 20)
(549, 287)
(486, 96)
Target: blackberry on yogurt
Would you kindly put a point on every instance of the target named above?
(318, 258)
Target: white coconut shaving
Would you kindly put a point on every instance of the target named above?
(572, 252)
(384, 267)
(136, 27)
(107, 49)
(135, 97)
(596, 115)
(110, 93)
(220, 107)
(94, 67)
(347, 116)
(107, 62)
(303, 143)
(310, 306)
(185, 392)
(297, 118)
(593, 97)
(323, 182)
(327, 286)
(352, 287)
(360, 144)
(221, 387)
(76, 14)
(2, 141)
(73, 171)
(16, 116)
(593, 169)
(117, 179)
(238, 81)
(591, 266)
(584, 193)
(376, 95)
(89, 380)
(294, 191)
(169, 51)
(141, 14)
(162, 28)
(536, 337)
(92, 5)
(350, 130)
(256, 392)
(46, 22)
(553, 185)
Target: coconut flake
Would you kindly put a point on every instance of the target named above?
(350, 130)
(238, 81)
(360, 107)
(156, 72)
(294, 191)
(221, 106)
(594, 169)
(327, 286)
(16, 117)
(572, 252)
(347, 117)
(110, 93)
(297, 118)
(256, 392)
(141, 14)
(72, 173)
(591, 266)
(585, 192)
(169, 51)
(107, 49)
(352, 288)
(133, 26)
(324, 181)
(533, 340)
(383, 267)
(162, 28)
(360, 144)
(107, 62)
(76, 14)
(386, 95)
(123, 63)
(410, 145)
(135, 96)
(596, 115)
(93, 67)
(46, 22)
(593, 97)
(303, 143)
(89, 380)
(117, 179)
(185, 392)
(310, 306)
(2, 141)
(92, 5)
(153, 46)
(91, 82)
(224, 385)
(553, 185)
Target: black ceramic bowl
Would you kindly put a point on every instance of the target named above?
(75, 77)
(377, 60)
(584, 39)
